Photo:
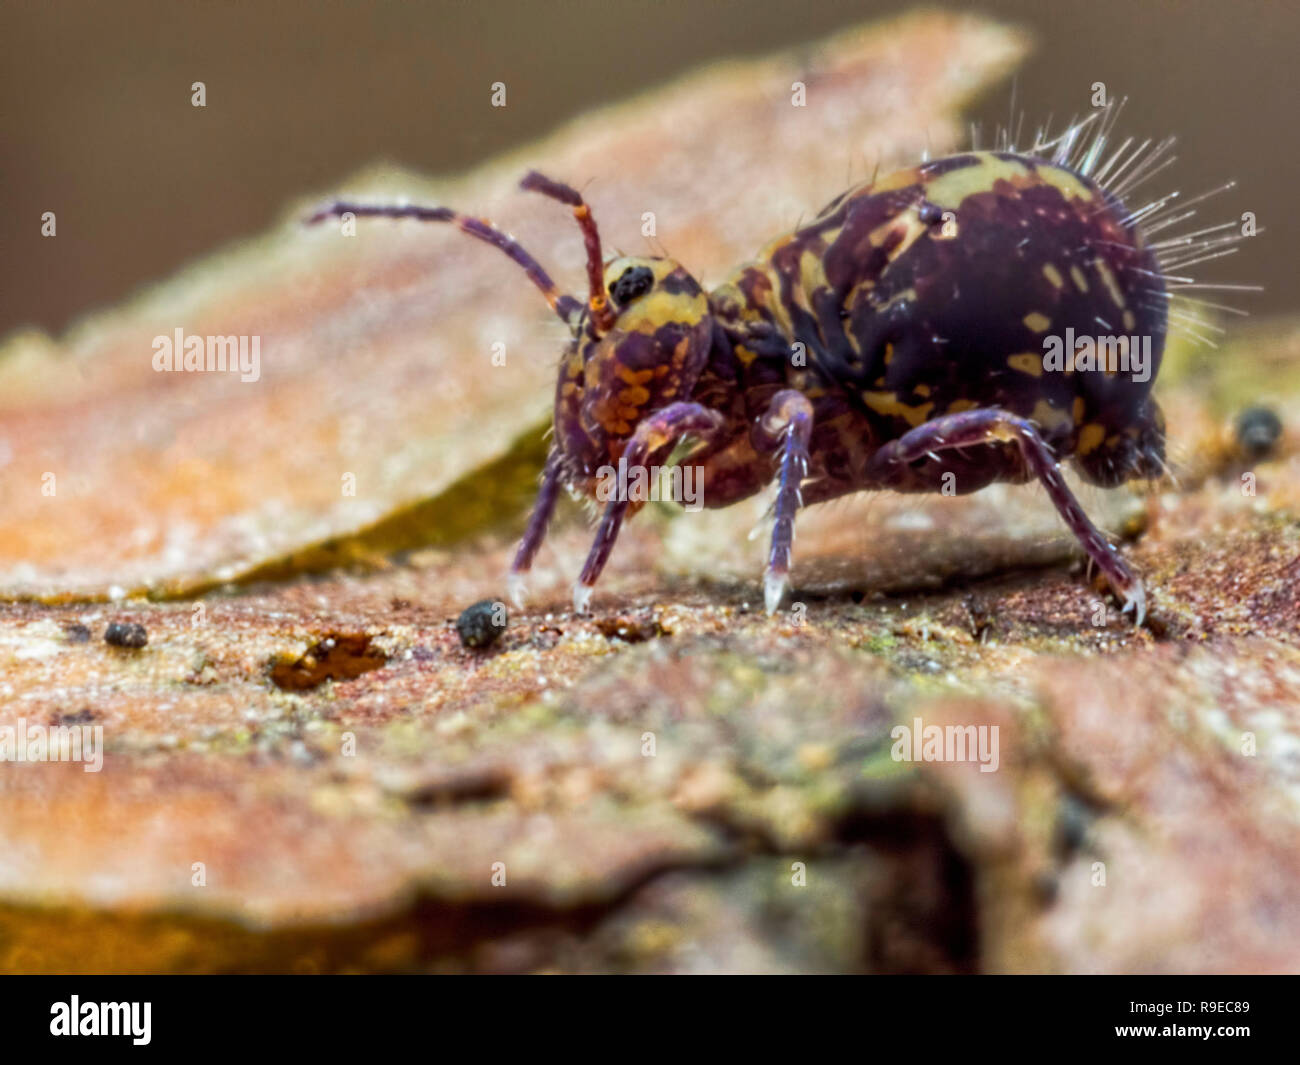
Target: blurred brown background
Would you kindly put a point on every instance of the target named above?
(97, 124)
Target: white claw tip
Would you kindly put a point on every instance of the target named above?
(773, 590)
(581, 597)
(517, 588)
(1136, 601)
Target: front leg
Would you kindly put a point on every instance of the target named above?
(994, 425)
(788, 425)
(654, 436)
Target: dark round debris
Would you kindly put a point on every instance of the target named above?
(1258, 430)
(482, 624)
(76, 632)
(126, 634)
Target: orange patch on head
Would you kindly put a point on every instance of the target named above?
(1090, 437)
(634, 397)
(631, 376)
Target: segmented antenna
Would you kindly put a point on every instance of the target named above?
(602, 315)
(563, 305)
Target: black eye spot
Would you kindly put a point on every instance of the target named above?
(633, 282)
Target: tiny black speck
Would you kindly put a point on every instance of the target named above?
(482, 624)
(126, 634)
(76, 633)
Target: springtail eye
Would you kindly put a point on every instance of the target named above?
(633, 282)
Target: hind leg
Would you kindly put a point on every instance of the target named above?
(994, 425)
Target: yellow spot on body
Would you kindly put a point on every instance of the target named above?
(1053, 275)
(897, 297)
(889, 353)
(682, 350)
(905, 229)
(744, 354)
(772, 302)
(1078, 408)
(959, 405)
(1090, 437)
(1036, 322)
(1079, 279)
(888, 404)
(922, 390)
(1049, 417)
(948, 190)
(1028, 362)
(811, 273)
(1129, 321)
(1112, 286)
(1066, 181)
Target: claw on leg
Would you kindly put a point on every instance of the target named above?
(773, 590)
(1135, 600)
(582, 597)
(517, 589)
(789, 419)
